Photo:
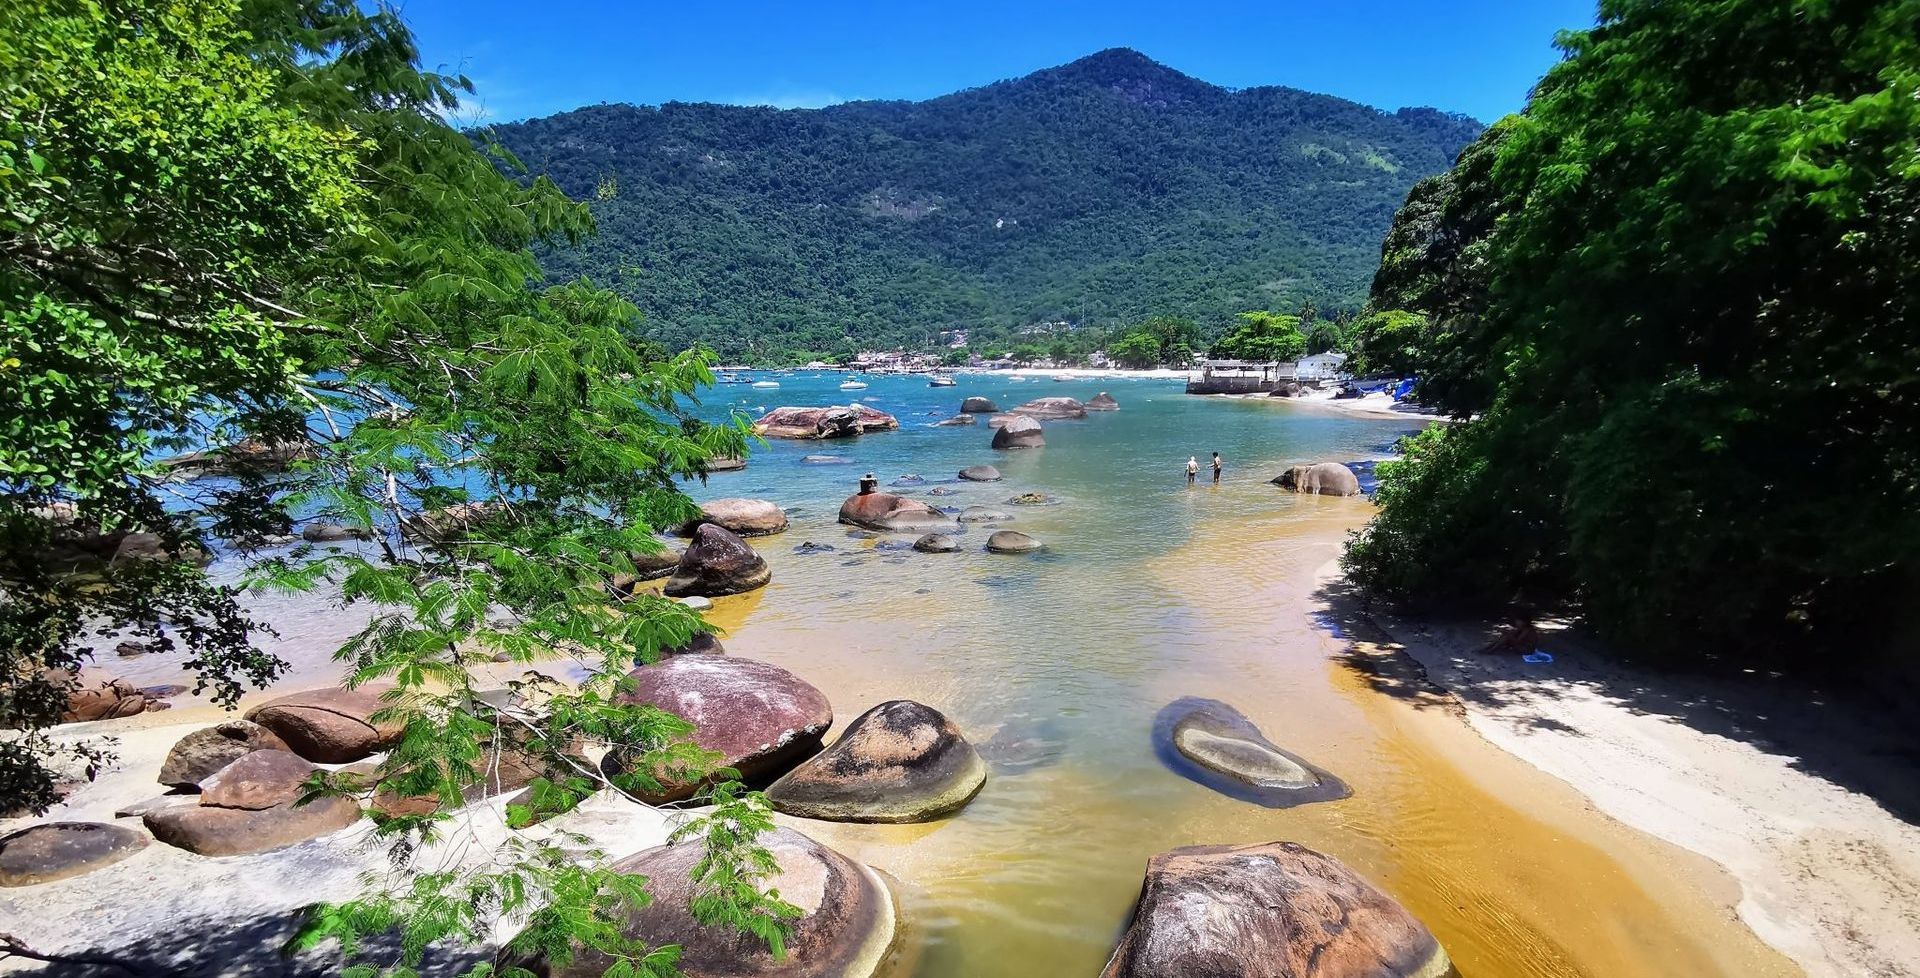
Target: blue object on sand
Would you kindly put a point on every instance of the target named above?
(1405, 388)
(1537, 656)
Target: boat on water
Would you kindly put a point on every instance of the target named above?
(851, 384)
(1061, 378)
(940, 381)
(766, 384)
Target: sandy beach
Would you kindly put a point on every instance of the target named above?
(1800, 800)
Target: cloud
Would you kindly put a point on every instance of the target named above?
(791, 98)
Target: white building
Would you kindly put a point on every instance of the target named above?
(1320, 366)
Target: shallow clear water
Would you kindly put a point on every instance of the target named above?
(1149, 591)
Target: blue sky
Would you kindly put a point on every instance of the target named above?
(530, 59)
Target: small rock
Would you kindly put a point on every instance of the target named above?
(1103, 401)
(746, 517)
(983, 514)
(980, 473)
(1031, 499)
(825, 460)
(936, 543)
(1211, 743)
(898, 762)
(331, 532)
(943, 491)
(129, 650)
(696, 602)
(910, 480)
(61, 850)
(1012, 542)
(815, 548)
(957, 421)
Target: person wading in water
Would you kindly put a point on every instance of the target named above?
(1216, 468)
(1193, 469)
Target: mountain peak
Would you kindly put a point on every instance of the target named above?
(1132, 75)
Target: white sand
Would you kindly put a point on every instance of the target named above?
(1828, 875)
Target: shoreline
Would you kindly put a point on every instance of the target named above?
(1825, 873)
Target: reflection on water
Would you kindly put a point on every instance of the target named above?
(1150, 591)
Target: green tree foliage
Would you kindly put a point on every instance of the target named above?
(247, 224)
(1262, 337)
(1156, 341)
(1391, 341)
(1677, 293)
(1104, 190)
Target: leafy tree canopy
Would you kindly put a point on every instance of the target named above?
(1261, 337)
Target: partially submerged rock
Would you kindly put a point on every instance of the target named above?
(936, 543)
(1276, 909)
(978, 405)
(1324, 478)
(747, 517)
(95, 694)
(898, 762)
(253, 807)
(330, 725)
(200, 754)
(983, 514)
(724, 463)
(61, 850)
(1024, 743)
(1012, 542)
(825, 460)
(760, 718)
(1103, 401)
(895, 514)
(957, 421)
(1211, 743)
(845, 930)
(455, 522)
(1021, 432)
(822, 423)
(718, 562)
(1052, 408)
(980, 473)
(250, 456)
(332, 533)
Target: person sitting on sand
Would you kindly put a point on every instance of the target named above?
(1216, 468)
(1193, 468)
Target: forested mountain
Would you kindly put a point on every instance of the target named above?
(1101, 191)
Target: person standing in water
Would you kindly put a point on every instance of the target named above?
(1193, 468)
(1216, 468)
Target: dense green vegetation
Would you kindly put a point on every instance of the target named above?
(1262, 336)
(1677, 295)
(228, 221)
(1100, 192)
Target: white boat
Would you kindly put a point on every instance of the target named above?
(1061, 378)
(853, 385)
(940, 382)
(1016, 378)
(766, 384)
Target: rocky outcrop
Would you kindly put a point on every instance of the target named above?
(330, 725)
(453, 522)
(702, 643)
(95, 694)
(957, 421)
(845, 929)
(1031, 499)
(760, 718)
(899, 762)
(250, 456)
(1103, 401)
(61, 850)
(723, 463)
(980, 473)
(200, 754)
(1276, 909)
(717, 562)
(252, 805)
(1020, 432)
(1324, 478)
(978, 405)
(936, 543)
(747, 517)
(1012, 542)
(332, 533)
(646, 567)
(1211, 743)
(894, 514)
(822, 423)
(1052, 409)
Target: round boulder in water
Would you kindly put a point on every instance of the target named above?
(983, 514)
(1052, 408)
(936, 543)
(980, 473)
(717, 562)
(978, 405)
(1021, 432)
(747, 517)
(1211, 743)
(760, 718)
(845, 929)
(890, 513)
(1323, 478)
(1103, 401)
(60, 850)
(1276, 908)
(899, 762)
(1012, 542)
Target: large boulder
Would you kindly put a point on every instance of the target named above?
(1277, 910)
(252, 805)
(899, 762)
(760, 718)
(95, 694)
(978, 405)
(61, 850)
(717, 562)
(200, 754)
(1021, 432)
(1211, 743)
(1052, 408)
(821, 423)
(980, 473)
(1103, 401)
(330, 725)
(1012, 542)
(845, 929)
(890, 513)
(747, 517)
(1325, 478)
